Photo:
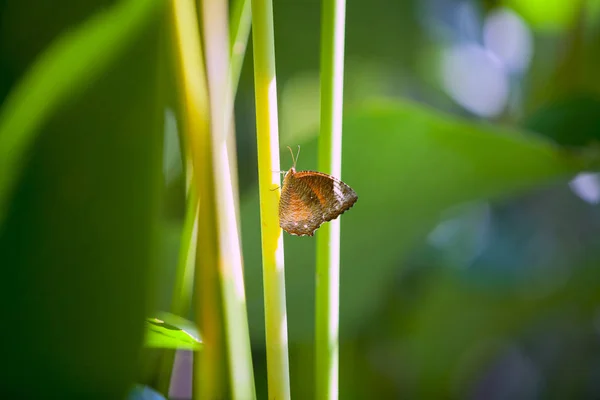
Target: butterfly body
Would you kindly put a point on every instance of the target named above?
(309, 199)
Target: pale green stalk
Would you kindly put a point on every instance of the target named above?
(328, 237)
(240, 31)
(268, 180)
(193, 100)
(184, 280)
(237, 336)
(241, 22)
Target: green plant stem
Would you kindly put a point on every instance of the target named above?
(328, 238)
(182, 293)
(241, 21)
(184, 279)
(271, 234)
(191, 82)
(237, 336)
(239, 32)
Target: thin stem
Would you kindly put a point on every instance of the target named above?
(240, 32)
(184, 279)
(241, 22)
(271, 234)
(191, 82)
(216, 35)
(328, 238)
(182, 293)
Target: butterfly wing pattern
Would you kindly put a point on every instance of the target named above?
(309, 198)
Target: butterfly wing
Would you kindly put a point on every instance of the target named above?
(298, 207)
(334, 195)
(309, 199)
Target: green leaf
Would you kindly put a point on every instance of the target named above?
(569, 121)
(60, 74)
(172, 332)
(407, 164)
(80, 179)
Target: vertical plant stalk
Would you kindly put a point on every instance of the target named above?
(184, 279)
(328, 238)
(268, 179)
(240, 31)
(237, 336)
(183, 289)
(191, 82)
(241, 22)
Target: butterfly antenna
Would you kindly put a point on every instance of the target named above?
(292, 153)
(297, 155)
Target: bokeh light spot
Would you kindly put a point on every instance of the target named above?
(475, 79)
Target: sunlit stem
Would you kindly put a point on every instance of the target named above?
(328, 238)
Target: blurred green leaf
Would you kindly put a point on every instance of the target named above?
(570, 121)
(552, 16)
(461, 326)
(407, 164)
(172, 332)
(80, 178)
(60, 74)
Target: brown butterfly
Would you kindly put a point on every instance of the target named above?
(309, 198)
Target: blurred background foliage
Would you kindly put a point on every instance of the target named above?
(469, 264)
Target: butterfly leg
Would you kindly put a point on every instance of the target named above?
(275, 188)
